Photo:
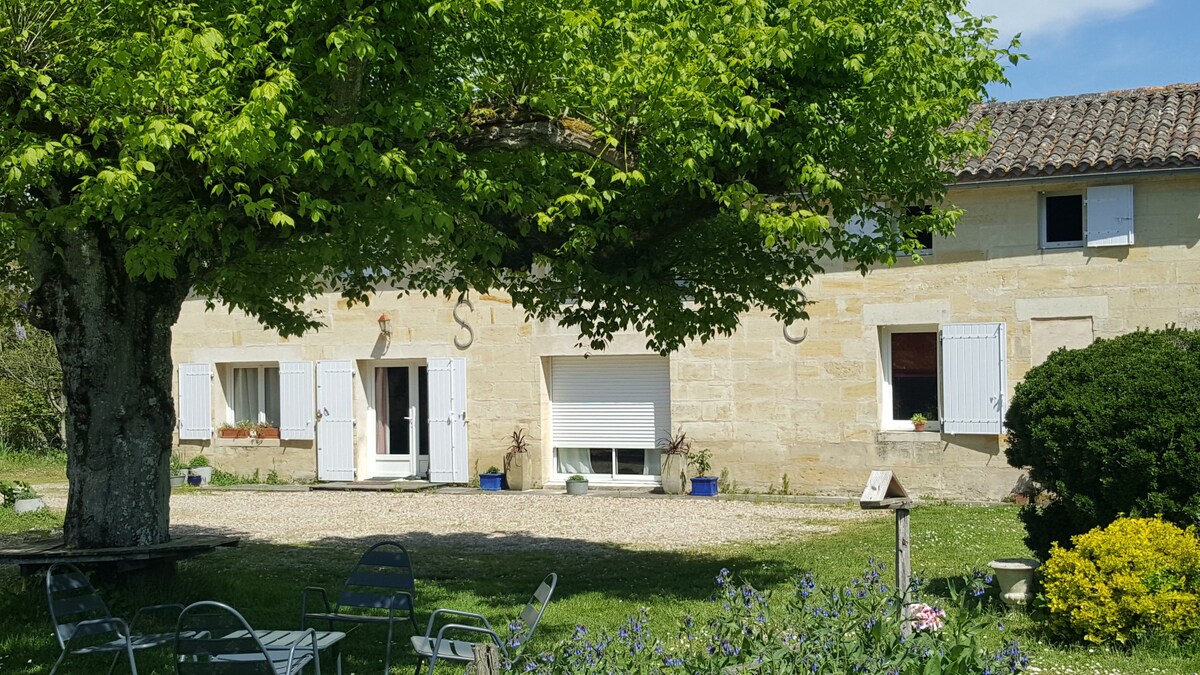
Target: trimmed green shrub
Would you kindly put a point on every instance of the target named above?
(1109, 430)
(1136, 577)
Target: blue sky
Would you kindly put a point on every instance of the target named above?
(1084, 46)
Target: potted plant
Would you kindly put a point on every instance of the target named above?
(263, 430)
(239, 430)
(918, 421)
(200, 468)
(491, 479)
(517, 465)
(703, 485)
(21, 496)
(178, 471)
(577, 485)
(675, 451)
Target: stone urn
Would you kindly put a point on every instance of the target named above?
(519, 471)
(1014, 576)
(674, 473)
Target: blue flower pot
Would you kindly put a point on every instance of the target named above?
(491, 481)
(704, 486)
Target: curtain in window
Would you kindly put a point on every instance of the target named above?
(271, 394)
(381, 411)
(653, 465)
(575, 460)
(243, 397)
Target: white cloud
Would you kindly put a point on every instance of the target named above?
(1032, 17)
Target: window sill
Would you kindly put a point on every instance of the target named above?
(248, 442)
(898, 436)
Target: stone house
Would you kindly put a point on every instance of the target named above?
(1081, 222)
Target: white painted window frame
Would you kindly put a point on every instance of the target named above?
(262, 388)
(1042, 224)
(885, 398)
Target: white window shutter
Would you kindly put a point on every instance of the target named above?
(195, 401)
(863, 226)
(296, 406)
(458, 418)
(447, 421)
(974, 381)
(1110, 215)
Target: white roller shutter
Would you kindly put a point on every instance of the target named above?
(1110, 215)
(296, 406)
(974, 379)
(195, 401)
(610, 401)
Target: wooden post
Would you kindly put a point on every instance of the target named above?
(903, 561)
(883, 491)
(487, 659)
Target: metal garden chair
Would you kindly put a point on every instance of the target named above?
(214, 639)
(381, 580)
(83, 624)
(440, 647)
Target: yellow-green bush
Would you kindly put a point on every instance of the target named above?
(1135, 577)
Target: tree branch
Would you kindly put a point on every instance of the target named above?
(565, 135)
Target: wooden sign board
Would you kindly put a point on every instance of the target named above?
(883, 491)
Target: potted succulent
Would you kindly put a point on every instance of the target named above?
(675, 451)
(491, 480)
(517, 465)
(919, 420)
(21, 496)
(179, 471)
(703, 485)
(200, 468)
(263, 430)
(577, 485)
(239, 430)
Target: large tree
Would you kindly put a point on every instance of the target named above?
(666, 164)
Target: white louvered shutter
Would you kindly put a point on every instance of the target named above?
(335, 435)
(974, 381)
(863, 226)
(447, 420)
(610, 401)
(195, 401)
(1110, 215)
(297, 419)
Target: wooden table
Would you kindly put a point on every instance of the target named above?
(33, 555)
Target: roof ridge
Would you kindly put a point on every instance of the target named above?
(1137, 92)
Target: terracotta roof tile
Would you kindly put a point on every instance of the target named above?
(1150, 128)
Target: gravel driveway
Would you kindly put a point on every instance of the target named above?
(516, 520)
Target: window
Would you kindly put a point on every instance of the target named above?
(606, 415)
(954, 374)
(924, 237)
(253, 394)
(1062, 220)
(1099, 216)
(910, 369)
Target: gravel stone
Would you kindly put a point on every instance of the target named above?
(506, 520)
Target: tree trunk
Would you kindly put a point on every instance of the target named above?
(114, 343)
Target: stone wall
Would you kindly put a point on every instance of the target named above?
(768, 407)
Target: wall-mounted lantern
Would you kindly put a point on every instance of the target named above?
(385, 324)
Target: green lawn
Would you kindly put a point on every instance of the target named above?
(600, 586)
(49, 467)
